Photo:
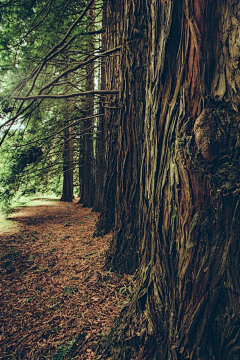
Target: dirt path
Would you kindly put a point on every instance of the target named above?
(55, 296)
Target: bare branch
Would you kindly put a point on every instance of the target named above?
(54, 50)
(75, 122)
(70, 70)
(66, 96)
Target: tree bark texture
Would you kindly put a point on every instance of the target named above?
(111, 117)
(186, 305)
(124, 254)
(100, 174)
(87, 169)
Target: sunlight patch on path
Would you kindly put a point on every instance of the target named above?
(31, 207)
(7, 226)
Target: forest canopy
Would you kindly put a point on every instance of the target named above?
(49, 53)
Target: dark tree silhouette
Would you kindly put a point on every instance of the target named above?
(67, 191)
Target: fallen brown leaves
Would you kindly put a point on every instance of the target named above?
(56, 297)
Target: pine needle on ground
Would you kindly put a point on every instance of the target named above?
(56, 298)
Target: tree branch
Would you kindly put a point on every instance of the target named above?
(54, 51)
(70, 70)
(66, 96)
(75, 122)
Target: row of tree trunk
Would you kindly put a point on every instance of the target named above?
(171, 185)
(164, 172)
(84, 134)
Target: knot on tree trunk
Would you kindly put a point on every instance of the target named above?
(216, 135)
(210, 135)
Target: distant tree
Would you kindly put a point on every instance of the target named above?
(87, 177)
(100, 165)
(68, 163)
(111, 116)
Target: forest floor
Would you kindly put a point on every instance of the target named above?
(56, 298)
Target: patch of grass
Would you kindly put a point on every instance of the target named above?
(22, 237)
(52, 250)
(5, 224)
(29, 299)
(9, 260)
(24, 201)
(11, 255)
(68, 351)
(34, 201)
(68, 290)
(12, 259)
(62, 352)
(31, 259)
(40, 270)
(65, 237)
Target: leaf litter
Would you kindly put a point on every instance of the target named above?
(56, 297)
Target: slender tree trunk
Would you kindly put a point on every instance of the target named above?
(100, 141)
(87, 170)
(111, 115)
(67, 192)
(186, 303)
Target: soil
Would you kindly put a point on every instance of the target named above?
(56, 298)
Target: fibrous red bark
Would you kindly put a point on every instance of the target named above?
(186, 304)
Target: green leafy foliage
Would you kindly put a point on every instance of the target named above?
(39, 41)
(18, 168)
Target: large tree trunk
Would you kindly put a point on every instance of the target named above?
(124, 135)
(124, 254)
(186, 304)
